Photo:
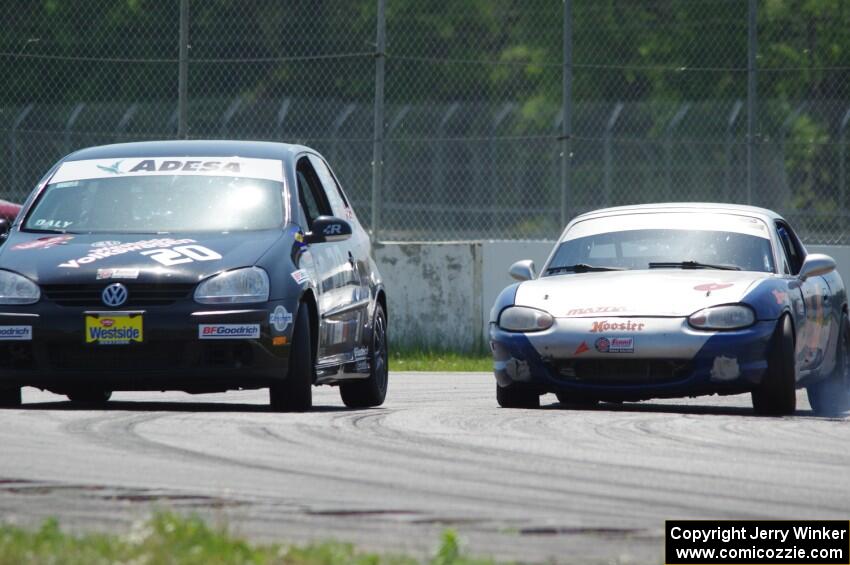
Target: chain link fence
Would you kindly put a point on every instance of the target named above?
(501, 118)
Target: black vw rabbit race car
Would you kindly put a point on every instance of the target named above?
(191, 265)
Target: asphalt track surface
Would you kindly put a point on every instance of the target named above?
(572, 486)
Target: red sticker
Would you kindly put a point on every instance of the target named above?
(780, 297)
(583, 348)
(45, 242)
(712, 286)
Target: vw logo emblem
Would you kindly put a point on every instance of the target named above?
(114, 295)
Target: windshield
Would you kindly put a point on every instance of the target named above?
(742, 246)
(155, 200)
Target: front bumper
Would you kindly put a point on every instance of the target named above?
(171, 355)
(632, 358)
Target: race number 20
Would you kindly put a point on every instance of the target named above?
(182, 254)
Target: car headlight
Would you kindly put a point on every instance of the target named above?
(239, 286)
(17, 289)
(523, 319)
(731, 317)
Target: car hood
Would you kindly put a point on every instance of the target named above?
(658, 292)
(83, 258)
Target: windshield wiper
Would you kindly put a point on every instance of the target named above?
(692, 265)
(36, 230)
(581, 268)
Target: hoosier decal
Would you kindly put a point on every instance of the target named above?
(607, 325)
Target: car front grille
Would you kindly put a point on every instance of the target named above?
(138, 294)
(148, 356)
(623, 371)
(111, 358)
(16, 355)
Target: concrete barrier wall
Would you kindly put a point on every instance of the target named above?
(440, 294)
(433, 294)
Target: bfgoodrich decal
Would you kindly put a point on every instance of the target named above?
(229, 331)
(15, 333)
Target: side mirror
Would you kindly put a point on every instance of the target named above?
(328, 229)
(5, 227)
(522, 270)
(815, 265)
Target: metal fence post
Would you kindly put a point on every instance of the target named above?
(438, 166)
(668, 146)
(69, 125)
(231, 111)
(183, 71)
(608, 151)
(378, 130)
(13, 142)
(124, 122)
(395, 122)
(495, 166)
(752, 101)
(842, 166)
(567, 121)
(727, 149)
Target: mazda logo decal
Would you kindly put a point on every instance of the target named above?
(114, 295)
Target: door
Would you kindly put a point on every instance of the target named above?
(812, 304)
(339, 327)
(355, 252)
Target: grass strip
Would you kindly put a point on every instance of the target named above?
(168, 538)
(436, 360)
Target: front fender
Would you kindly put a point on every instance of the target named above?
(772, 297)
(506, 298)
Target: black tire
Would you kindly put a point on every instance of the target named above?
(777, 393)
(831, 396)
(10, 397)
(517, 396)
(89, 395)
(371, 391)
(568, 399)
(295, 393)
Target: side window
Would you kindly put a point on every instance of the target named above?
(310, 193)
(791, 248)
(335, 196)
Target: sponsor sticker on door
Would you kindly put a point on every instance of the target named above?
(229, 331)
(114, 330)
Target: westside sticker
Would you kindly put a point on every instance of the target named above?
(280, 318)
(114, 330)
(615, 345)
(45, 242)
(229, 331)
(15, 333)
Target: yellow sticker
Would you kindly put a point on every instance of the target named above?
(114, 330)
